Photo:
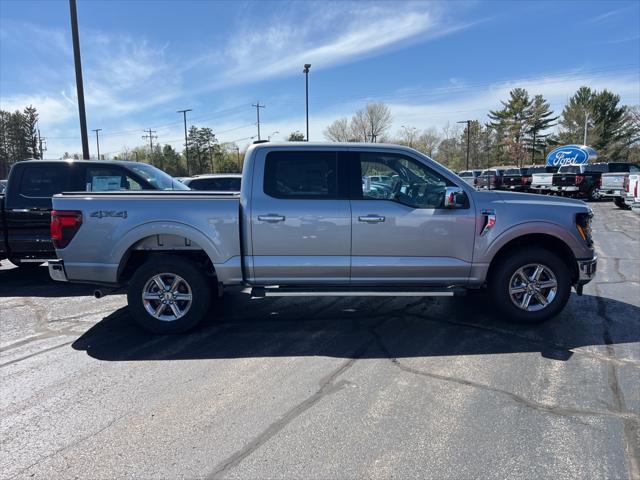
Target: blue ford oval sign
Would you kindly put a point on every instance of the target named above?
(570, 155)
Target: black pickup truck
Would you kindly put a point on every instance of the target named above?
(25, 206)
(583, 180)
(516, 179)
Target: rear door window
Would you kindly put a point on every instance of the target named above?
(39, 183)
(300, 175)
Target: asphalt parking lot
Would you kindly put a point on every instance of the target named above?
(326, 388)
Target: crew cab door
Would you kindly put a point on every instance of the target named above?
(28, 208)
(401, 233)
(300, 219)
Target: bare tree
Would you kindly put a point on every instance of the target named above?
(339, 131)
(372, 122)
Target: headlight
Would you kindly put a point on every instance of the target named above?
(583, 225)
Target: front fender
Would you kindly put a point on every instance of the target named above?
(571, 239)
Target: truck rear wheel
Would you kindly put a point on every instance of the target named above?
(168, 295)
(530, 286)
(594, 194)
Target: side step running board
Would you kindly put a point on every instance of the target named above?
(258, 292)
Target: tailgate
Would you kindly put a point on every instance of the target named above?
(542, 179)
(613, 182)
(564, 179)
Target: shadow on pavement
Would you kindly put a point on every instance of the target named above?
(36, 282)
(364, 328)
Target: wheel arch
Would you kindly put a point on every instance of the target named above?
(163, 238)
(547, 241)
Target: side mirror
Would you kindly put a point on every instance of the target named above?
(454, 197)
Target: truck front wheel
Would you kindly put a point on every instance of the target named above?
(168, 295)
(530, 286)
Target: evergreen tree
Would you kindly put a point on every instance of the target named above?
(513, 120)
(540, 120)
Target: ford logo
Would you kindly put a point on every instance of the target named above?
(570, 155)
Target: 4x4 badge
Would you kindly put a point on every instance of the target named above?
(109, 213)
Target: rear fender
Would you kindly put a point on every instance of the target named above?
(196, 238)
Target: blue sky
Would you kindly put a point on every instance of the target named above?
(433, 63)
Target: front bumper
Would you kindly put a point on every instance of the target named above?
(57, 271)
(586, 272)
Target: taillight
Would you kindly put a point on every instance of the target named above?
(525, 180)
(579, 179)
(599, 183)
(475, 181)
(64, 225)
(635, 189)
(625, 184)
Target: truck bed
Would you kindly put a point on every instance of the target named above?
(169, 220)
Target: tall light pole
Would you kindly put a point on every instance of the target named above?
(97, 140)
(79, 85)
(186, 145)
(237, 149)
(586, 122)
(468, 122)
(307, 66)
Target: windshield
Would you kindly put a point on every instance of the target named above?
(158, 178)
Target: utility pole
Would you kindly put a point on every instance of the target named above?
(586, 122)
(468, 122)
(258, 107)
(41, 148)
(79, 84)
(150, 135)
(307, 66)
(97, 140)
(186, 144)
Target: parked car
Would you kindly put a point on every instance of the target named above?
(218, 182)
(582, 180)
(491, 179)
(516, 179)
(612, 184)
(470, 176)
(542, 179)
(303, 225)
(25, 208)
(632, 192)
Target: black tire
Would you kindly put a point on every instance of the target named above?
(25, 265)
(593, 195)
(505, 271)
(197, 285)
(620, 203)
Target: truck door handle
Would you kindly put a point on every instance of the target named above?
(371, 219)
(271, 218)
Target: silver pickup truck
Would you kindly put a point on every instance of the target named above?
(309, 221)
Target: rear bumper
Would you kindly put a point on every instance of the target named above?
(567, 189)
(57, 271)
(611, 193)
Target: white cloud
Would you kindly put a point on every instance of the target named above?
(51, 110)
(324, 38)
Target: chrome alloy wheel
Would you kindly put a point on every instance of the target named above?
(533, 287)
(167, 297)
